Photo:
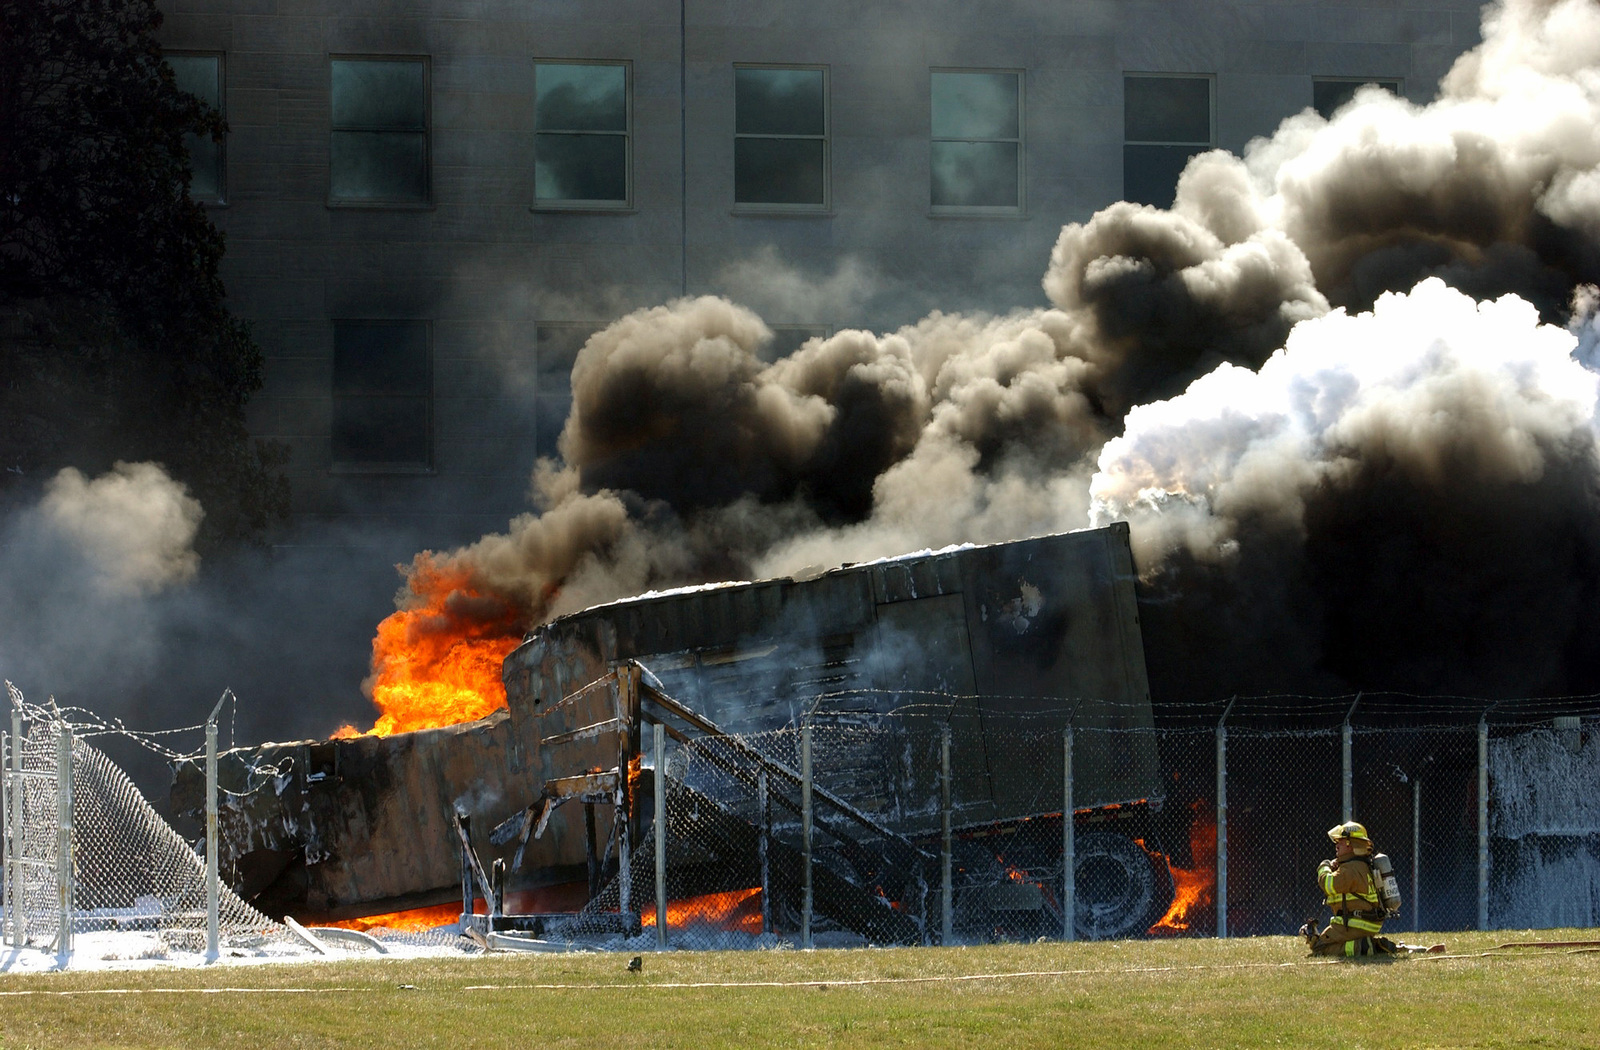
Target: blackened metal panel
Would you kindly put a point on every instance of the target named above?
(1055, 632)
(922, 649)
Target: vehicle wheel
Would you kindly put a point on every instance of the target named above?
(1119, 888)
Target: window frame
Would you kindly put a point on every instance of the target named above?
(221, 199)
(1383, 82)
(983, 211)
(778, 208)
(386, 203)
(1195, 146)
(352, 467)
(586, 205)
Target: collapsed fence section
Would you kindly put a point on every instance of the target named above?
(84, 851)
(844, 829)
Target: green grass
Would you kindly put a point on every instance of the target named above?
(1254, 992)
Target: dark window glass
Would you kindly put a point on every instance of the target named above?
(976, 153)
(1167, 109)
(778, 171)
(558, 347)
(550, 419)
(780, 149)
(379, 166)
(778, 102)
(581, 145)
(382, 394)
(1328, 95)
(201, 76)
(975, 174)
(581, 97)
(581, 167)
(378, 93)
(379, 150)
(975, 106)
(1166, 120)
(1150, 173)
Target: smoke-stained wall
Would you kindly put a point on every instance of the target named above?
(508, 287)
(1337, 478)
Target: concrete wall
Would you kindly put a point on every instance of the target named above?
(487, 270)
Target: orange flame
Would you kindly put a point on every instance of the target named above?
(735, 910)
(1196, 886)
(410, 920)
(436, 662)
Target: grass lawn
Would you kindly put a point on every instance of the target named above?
(1252, 992)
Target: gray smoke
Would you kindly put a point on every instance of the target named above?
(134, 526)
(1333, 479)
(106, 607)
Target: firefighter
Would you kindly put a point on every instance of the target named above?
(1351, 890)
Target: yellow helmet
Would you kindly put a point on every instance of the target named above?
(1355, 833)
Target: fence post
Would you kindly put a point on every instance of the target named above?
(1483, 822)
(213, 888)
(19, 901)
(661, 836)
(624, 856)
(630, 746)
(64, 887)
(1222, 820)
(762, 842)
(1347, 765)
(6, 852)
(945, 917)
(805, 833)
(1416, 853)
(1069, 856)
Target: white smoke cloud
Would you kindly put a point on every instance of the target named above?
(135, 525)
(1432, 380)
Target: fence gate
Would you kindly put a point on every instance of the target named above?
(38, 843)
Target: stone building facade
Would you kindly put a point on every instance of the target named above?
(429, 204)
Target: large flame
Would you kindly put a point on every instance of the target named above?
(735, 910)
(411, 920)
(1192, 887)
(436, 661)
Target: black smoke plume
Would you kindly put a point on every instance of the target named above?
(1323, 387)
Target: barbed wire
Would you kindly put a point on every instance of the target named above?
(86, 724)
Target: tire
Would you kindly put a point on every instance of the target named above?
(1119, 889)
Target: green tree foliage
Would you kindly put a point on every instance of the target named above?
(115, 338)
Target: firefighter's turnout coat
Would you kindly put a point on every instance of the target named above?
(1350, 888)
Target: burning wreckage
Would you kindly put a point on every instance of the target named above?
(990, 641)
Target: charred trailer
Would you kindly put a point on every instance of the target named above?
(1004, 646)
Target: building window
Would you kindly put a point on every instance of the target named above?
(201, 76)
(379, 150)
(382, 395)
(558, 343)
(581, 140)
(1329, 93)
(1166, 120)
(976, 150)
(780, 145)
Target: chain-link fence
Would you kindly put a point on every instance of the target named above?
(859, 828)
(86, 852)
